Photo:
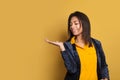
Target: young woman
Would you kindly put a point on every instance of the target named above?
(83, 55)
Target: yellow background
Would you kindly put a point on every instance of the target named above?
(24, 24)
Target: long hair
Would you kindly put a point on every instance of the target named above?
(86, 33)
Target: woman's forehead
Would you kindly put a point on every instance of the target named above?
(74, 19)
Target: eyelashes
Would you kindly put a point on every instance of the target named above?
(74, 24)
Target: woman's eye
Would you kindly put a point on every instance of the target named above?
(76, 23)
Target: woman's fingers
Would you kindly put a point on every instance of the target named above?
(52, 42)
(57, 43)
(48, 41)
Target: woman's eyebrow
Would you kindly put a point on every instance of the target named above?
(74, 21)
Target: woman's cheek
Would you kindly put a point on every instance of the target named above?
(78, 27)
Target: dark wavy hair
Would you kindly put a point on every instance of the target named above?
(86, 33)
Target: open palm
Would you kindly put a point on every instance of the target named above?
(56, 43)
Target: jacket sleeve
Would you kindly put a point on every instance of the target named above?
(104, 67)
(69, 61)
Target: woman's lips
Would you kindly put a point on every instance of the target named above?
(73, 31)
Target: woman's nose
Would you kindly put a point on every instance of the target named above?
(72, 26)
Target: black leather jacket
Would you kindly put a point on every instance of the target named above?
(72, 61)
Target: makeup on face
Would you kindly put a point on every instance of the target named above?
(75, 26)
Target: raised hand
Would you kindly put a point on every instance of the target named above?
(56, 43)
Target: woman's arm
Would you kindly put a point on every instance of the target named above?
(104, 66)
(69, 62)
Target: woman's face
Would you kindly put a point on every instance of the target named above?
(75, 26)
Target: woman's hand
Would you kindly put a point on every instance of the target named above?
(56, 43)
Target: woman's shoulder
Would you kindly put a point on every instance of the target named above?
(67, 41)
(67, 44)
(96, 41)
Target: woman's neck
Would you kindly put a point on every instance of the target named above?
(79, 41)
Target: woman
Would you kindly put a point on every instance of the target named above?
(83, 55)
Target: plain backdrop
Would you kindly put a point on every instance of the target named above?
(25, 24)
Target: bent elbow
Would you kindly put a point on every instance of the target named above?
(72, 70)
